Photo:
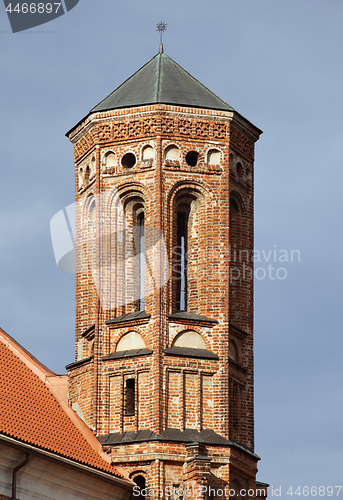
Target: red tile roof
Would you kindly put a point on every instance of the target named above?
(30, 413)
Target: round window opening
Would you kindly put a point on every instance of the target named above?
(192, 158)
(128, 160)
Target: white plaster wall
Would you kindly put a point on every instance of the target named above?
(46, 479)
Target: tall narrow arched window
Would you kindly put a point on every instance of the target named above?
(129, 255)
(186, 250)
(235, 263)
(87, 175)
(90, 246)
(181, 277)
(129, 400)
(141, 251)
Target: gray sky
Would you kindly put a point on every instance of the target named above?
(279, 63)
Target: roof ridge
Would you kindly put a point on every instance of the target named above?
(199, 82)
(24, 355)
(159, 76)
(76, 420)
(29, 395)
(127, 80)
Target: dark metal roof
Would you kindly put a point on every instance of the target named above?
(162, 80)
(206, 436)
(129, 317)
(186, 436)
(90, 329)
(79, 363)
(190, 352)
(237, 364)
(234, 327)
(130, 353)
(190, 317)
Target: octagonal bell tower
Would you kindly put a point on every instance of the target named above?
(163, 372)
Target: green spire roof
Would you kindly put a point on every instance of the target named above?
(162, 80)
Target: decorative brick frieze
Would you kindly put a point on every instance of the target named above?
(242, 144)
(133, 128)
(84, 145)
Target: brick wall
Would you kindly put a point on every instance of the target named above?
(213, 193)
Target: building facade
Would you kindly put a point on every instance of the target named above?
(46, 451)
(164, 370)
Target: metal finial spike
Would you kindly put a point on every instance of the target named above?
(161, 27)
(161, 48)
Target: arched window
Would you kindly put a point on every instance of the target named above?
(140, 482)
(91, 252)
(128, 250)
(87, 174)
(235, 261)
(141, 252)
(186, 266)
(234, 408)
(129, 403)
(182, 244)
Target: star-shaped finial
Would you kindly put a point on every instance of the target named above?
(161, 27)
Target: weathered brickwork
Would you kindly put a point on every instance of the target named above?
(188, 174)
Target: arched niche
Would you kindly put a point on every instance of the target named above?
(129, 341)
(233, 351)
(189, 338)
(237, 201)
(81, 177)
(148, 153)
(172, 153)
(91, 208)
(93, 165)
(213, 156)
(239, 169)
(110, 160)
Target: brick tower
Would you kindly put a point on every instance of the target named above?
(164, 291)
